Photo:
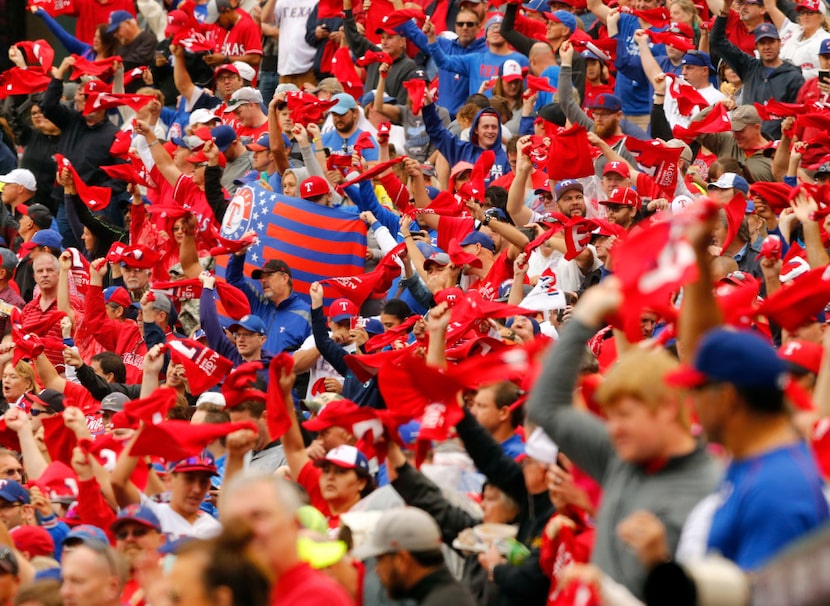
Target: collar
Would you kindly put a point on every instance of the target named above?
(739, 256)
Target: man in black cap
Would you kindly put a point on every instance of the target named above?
(286, 317)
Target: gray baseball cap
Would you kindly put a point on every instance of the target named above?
(401, 529)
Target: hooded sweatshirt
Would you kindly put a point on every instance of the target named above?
(455, 150)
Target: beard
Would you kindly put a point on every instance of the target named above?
(607, 129)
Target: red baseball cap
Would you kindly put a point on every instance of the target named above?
(313, 186)
(624, 196)
(342, 309)
(619, 168)
(332, 414)
(802, 355)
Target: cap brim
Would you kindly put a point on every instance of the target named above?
(317, 425)
(685, 377)
(258, 273)
(119, 522)
(340, 464)
(512, 77)
(366, 551)
(195, 468)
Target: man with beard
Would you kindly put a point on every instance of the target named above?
(138, 534)
(341, 140)
(407, 544)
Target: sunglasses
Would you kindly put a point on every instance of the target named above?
(466, 24)
(138, 532)
(37, 411)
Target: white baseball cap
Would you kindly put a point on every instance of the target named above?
(246, 72)
(201, 116)
(20, 176)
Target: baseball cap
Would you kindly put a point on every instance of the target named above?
(824, 167)
(332, 415)
(801, 357)
(271, 267)
(13, 492)
(345, 103)
(245, 71)
(511, 71)
(682, 29)
(116, 19)
(115, 401)
(564, 17)
(48, 237)
(8, 260)
(313, 187)
(401, 529)
(201, 116)
(494, 20)
(743, 116)
(226, 67)
(138, 514)
(698, 58)
(437, 258)
(249, 322)
(607, 101)
(85, 533)
(824, 49)
(33, 540)
(262, 143)
(20, 176)
(534, 6)
(117, 295)
(347, 457)
(730, 180)
(329, 85)
(176, 21)
(96, 86)
(476, 237)
(624, 196)
(49, 398)
(342, 309)
(203, 462)
(686, 154)
(741, 358)
(38, 213)
(618, 168)
(243, 96)
(813, 6)
(212, 397)
(539, 446)
(223, 135)
(162, 302)
(567, 185)
(766, 30)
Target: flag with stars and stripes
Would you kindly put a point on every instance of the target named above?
(316, 241)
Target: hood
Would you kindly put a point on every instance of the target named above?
(487, 111)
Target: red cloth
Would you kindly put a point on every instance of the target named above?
(122, 336)
(55, 8)
(59, 439)
(203, 367)
(100, 101)
(795, 304)
(276, 414)
(93, 508)
(776, 195)
(37, 52)
(689, 100)
(33, 315)
(578, 233)
(373, 56)
(681, 43)
(152, 409)
(735, 212)
(177, 440)
(95, 197)
(102, 68)
(416, 89)
(19, 81)
(358, 288)
(343, 68)
(657, 17)
(570, 154)
(716, 121)
(238, 385)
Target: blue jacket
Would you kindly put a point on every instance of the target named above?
(455, 150)
(288, 323)
(452, 87)
(478, 67)
(216, 338)
(634, 93)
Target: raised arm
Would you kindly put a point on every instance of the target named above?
(516, 208)
(162, 159)
(570, 107)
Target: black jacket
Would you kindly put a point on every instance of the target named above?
(440, 589)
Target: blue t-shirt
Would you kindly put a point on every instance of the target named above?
(339, 145)
(635, 94)
(767, 502)
(513, 446)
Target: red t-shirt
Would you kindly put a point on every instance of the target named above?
(738, 35)
(303, 585)
(244, 38)
(501, 270)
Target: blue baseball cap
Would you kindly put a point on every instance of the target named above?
(48, 237)
(698, 58)
(607, 101)
(13, 492)
(476, 237)
(138, 514)
(766, 30)
(223, 135)
(250, 322)
(824, 49)
(494, 20)
(374, 326)
(535, 6)
(345, 103)
(347, 457)
(739, 357)
(568, 185)
(85, 533)
(116, 19)
(730, 180)
(563, 17)
(262, 143)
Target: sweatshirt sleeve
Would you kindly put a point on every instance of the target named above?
(738, 60)
(411, 32)
(570, 107)
(209, 320)
(234, 277)
(365, 199)
(516, 39)
(580, 435)
(458, 64)
(70, 42)
(52, 108)
(331, 351)
(448, 144)
(358, 43)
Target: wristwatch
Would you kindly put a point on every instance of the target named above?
(486, 220)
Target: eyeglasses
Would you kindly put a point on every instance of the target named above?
(36, 112)
(137, 532)
(466, 24)
(247, 335)
(38, 411)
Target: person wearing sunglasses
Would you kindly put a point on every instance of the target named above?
(138, 535)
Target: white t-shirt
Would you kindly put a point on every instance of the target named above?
(295, 54)
(321, 369)
(175, 526)
(673, 116)
(803, 53)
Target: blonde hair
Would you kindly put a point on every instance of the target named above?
(26, 372)
(640, 374)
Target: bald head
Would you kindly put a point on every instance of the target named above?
(541, 57)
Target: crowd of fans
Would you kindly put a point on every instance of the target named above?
(583, 363)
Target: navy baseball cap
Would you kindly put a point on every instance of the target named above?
(568, 185)
(138, 514)
(766, 30)
(223, 135)
(116, 19)
(741, 358)
(85, 533)
(13, 492)
(607, 101)
(476, 237)
(698, 58)
(537, 6)
(824, 49)
(729, 181)
(249, 322)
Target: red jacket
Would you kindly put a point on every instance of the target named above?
(120, 336)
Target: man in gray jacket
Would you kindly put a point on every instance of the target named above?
(643, 455)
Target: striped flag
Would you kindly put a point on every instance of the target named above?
(317, 242)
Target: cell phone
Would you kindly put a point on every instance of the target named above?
(327, 151)
(530, 232)
(824, 75)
